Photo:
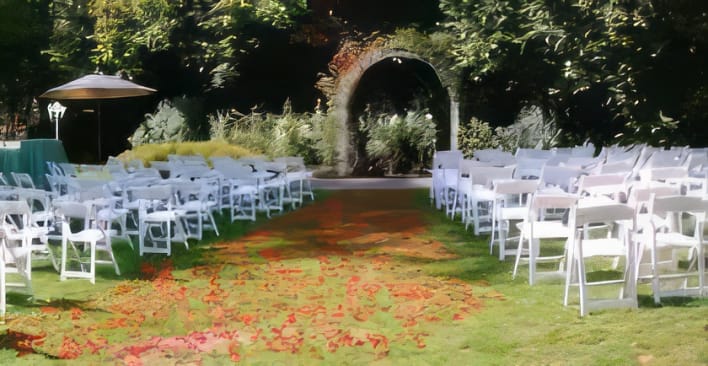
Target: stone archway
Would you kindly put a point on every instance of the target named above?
(346, 85)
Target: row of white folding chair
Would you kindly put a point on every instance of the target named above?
(576, 151)
(656, 234)
(279, 182)
(583, 215)
(585, 151)
(511, 197)
(41, 217)
(185, 216)
(465, 193)
(461, 180)
(21, 237)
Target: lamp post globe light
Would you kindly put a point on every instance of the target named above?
(56, 111)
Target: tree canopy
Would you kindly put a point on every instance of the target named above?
(626, 71)
(609, 71)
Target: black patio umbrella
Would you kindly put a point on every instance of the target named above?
(97, 87)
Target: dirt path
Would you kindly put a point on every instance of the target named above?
(340, 279)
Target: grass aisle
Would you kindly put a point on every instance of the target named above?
(358, 277)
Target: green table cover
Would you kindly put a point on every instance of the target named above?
(31, 158)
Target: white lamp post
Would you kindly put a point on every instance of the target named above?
(56, 111)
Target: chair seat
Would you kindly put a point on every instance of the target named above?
(164, 215)
(480, 193)
(298, 175)
(190, 206)
(545, 229)
(513, 213)
(675, 239)
(107, 214)
(18, 252)
(603, 247)
(245, 189)
(88, 235)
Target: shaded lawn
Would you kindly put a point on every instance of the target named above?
(358, 277)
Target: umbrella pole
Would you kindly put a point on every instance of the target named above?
(100, 137)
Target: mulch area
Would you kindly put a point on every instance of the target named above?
(338, 278)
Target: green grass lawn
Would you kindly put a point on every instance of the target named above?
(511, 323)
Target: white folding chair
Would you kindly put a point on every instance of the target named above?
(478, 195)
(298, 178)
(601, 230)
(23, 180)
(272, 186)
(565, 178)
(15, 248)
(529, 168)
(537, 227)
(610, 185)
(159, 223)
(41, 221)
(3, 180)
(239, 190)
(511, 199)
(444, 180)
(108, 212)
(75, 262)
(671, 175)
(673, 279)
(195, 199)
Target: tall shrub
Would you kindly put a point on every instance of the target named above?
(401, 143)
(167, 124)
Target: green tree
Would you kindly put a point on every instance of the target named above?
(71, 39)
(594, 64)
(23, 35)
(208, 36)
(124, 27)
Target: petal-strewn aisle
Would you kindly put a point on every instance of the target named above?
(339, 279)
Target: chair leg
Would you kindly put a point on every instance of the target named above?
(532, 261)
(3, 304)
(475, 217)
(92, 264)
(502, 244)
(519, 249)
(492, 235)
(210, 216)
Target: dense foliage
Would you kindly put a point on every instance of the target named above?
(400, 144)
(629, 71)
(609, 71)
(309, 135)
